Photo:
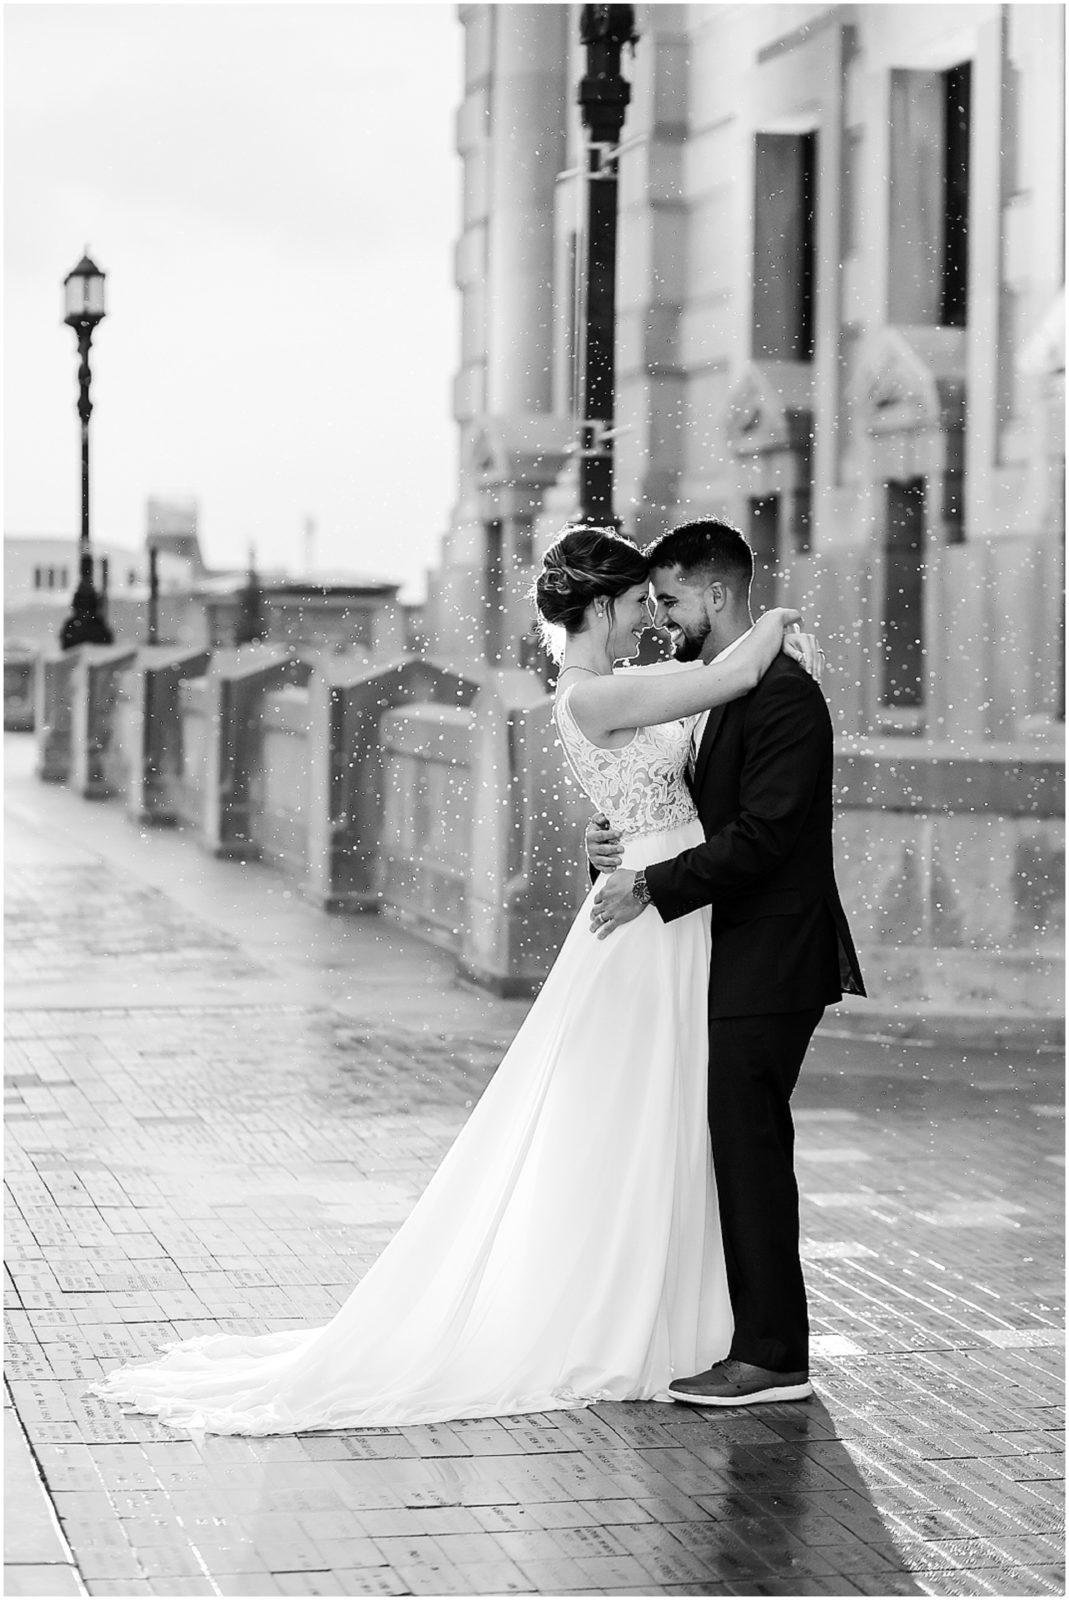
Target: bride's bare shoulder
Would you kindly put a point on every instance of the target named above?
(656, 668)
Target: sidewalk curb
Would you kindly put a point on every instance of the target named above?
(35, 1550)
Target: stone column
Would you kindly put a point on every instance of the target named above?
(527, 146)
(511, 136)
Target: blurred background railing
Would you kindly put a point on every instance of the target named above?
(441, 801)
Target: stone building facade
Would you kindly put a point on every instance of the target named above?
(840, 280)
(840, 324)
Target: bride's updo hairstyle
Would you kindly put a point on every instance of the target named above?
(584, 564)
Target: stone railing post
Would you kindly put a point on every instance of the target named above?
(423, 864)
(345, 768)
(527, 868)
(156, 770)
(53, 703)
(234, 688)
(95, 693)
(951, 859)
(20, 678)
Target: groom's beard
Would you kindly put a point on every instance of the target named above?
(688, 646)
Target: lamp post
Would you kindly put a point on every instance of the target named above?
(83, 290)
(152, 635)
(604, 94)
(249, 622)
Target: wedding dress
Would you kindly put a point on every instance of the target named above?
(568, 1248)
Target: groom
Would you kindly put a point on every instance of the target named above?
(781, 948)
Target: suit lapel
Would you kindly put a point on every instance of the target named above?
(712, 728)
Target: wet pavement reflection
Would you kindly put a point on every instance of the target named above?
(199, 1138)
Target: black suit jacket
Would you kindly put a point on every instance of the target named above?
(763, 788)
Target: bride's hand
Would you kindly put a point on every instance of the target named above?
(804, 648)
(777, 621)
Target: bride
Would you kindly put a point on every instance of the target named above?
(568, 1249)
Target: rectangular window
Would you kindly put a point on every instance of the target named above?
(764, 540)
(494, 591)
(573, 322)
(928, 262)
(51, 577)
(954, 288)
(785, 233)
(902, 618)
(802, 501)
(37, 577)
(362, 626)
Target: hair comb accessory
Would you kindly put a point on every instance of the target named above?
(555, 580)
(567, 576)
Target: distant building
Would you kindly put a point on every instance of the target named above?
(330, 613)
(45, 566)
(171, 528)
(40, 574)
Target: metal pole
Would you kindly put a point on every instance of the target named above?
(603, 99)
(153, 633)
(87, 623)
(149, 731)
(85, 411)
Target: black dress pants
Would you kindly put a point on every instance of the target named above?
(753, 1067)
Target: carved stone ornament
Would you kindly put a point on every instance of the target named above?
(770, 407)
(1043, 352)
(911, 379)
(519, 449)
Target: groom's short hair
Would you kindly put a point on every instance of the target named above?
(708, 548)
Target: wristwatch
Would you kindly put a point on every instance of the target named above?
(640, 890)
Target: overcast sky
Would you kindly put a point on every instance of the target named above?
(273, 193)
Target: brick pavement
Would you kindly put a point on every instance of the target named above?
(190, 1147)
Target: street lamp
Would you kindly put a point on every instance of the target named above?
(604, 94)
(83, 294)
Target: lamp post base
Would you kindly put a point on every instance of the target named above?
(86, 623)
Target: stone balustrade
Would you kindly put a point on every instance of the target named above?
(117, 763)
(425, 839)
(194, 735)
(95, 693)
(443, 802)
(527, 874)
(235, 692)
(278, 786)
(952, 864)
(350, 797)
(153, 749)
(53, 713)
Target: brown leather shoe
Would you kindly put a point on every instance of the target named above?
(739, 1383)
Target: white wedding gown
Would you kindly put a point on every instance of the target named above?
(568, 1248)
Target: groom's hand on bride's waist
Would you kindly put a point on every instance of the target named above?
(603, 848)
(616, 903)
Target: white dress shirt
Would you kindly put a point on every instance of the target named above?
(698, 732)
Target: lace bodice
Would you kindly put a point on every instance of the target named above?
(642, 787)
